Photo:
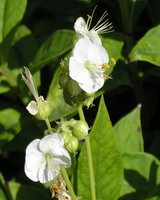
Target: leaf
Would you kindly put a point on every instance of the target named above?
(147, 49)
(19, 192)
(10, 125)
(141, 173)
(11, 14)
(59, 43)
(129, 131)
(15, 133)
(3, 194)
(113, 45)
(24, 38)
(107, 161)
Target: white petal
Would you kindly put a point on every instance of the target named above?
(32, 108)
(93, 84)
(77, 71)
(47, 142)
(93, 36)
(46, 174)
(98, 54)
(33, 160)
(61, 156)
(81, 50)
(80, 26)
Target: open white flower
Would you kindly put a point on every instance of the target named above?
(88, 65)
(82, 27)
(44, 158)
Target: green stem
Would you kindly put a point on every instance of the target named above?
(69, 185)
(89, 157)
(49, 126)
(63, 170)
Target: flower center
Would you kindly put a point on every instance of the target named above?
(49, 161)
(88, 65)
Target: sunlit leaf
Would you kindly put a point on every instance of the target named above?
(107, 161)
(147, 49)
(11, 14)
(129, 131)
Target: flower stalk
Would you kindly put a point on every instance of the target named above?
(89, 157)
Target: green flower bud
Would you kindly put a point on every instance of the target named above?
(73, 144)
(73, 87)
(63, 80)
(80, 130)
(44, 109)
(89, 101)
(66, 137)
(64, 64)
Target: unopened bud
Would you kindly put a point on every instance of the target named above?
(80, 130)
(73, 144)
(73, 87)
(64, 64)
(44, 109)
(63, 80)
(66, 137)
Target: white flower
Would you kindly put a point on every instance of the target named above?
(88, 65)
(83, 29)
(44, 157)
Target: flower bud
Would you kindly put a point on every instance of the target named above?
(44, 109)
(73, 87)
(64, 64)
(89, 100)
(63, 80)
(73, 144)
(80, 130)
(66, 137)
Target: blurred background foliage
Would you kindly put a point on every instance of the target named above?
(38, 34)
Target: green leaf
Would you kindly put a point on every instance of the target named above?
(19, 192)
(113, 44)
(11, 14)
(147, 49)
(3, 194)
(10, 125)
(23, 38)
(59, 43)
(107, 160)
(129, 132)
(141, 173)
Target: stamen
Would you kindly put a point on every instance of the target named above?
(89, 21)
(106, 66)
(103, 27)
(113, 60)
